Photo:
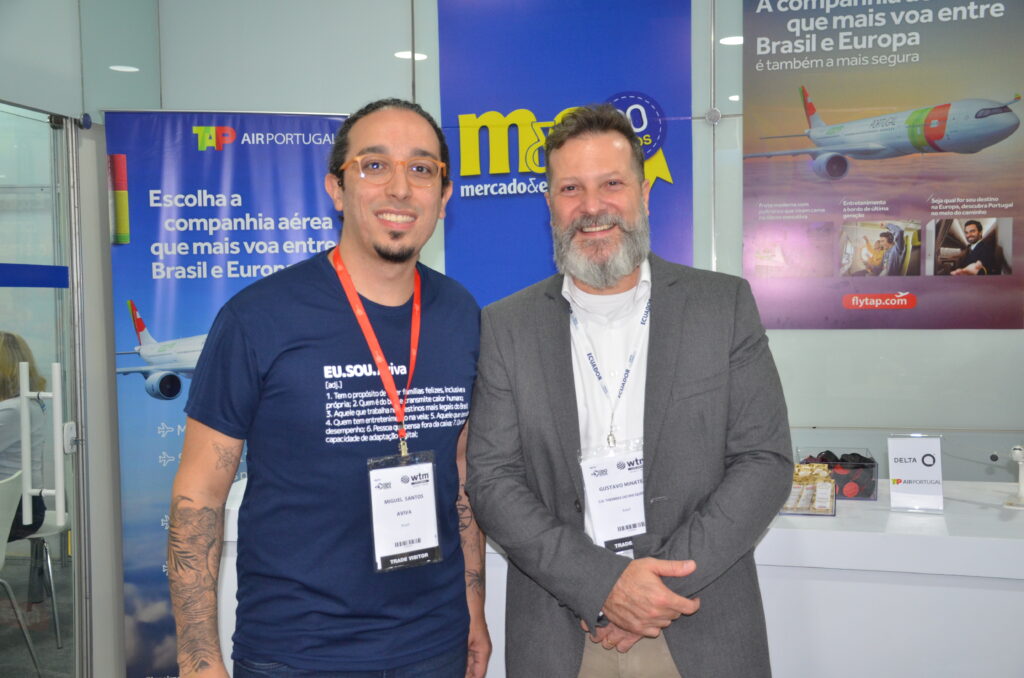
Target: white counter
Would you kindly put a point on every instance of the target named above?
(869, 592)
(880, 593)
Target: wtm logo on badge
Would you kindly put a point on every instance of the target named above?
(214, 137)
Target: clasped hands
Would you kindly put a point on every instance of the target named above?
(640, 605)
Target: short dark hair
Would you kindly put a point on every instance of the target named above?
(976, 223)
(340, 149)
(593, 119)
(888, 236)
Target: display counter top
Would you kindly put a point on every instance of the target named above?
(975, 536)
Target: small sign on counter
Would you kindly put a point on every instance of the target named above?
(915, 473)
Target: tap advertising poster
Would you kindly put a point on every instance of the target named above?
(883, 163)
(508, 71)
(204, 204)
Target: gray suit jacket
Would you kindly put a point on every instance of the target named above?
(717, 468)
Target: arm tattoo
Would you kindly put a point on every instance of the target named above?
(475, 581)
(465, 511)
(472, 544)
(227, 455)
(465, 514)
(193, 561)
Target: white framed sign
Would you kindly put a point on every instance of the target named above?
(915, 473)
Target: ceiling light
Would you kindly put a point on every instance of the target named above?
(124, 69)
(734, 97)
(406, 54)
(732, 40)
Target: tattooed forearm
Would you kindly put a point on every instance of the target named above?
(475, 581)
(193, 562)
(465, 513)
(472, 545)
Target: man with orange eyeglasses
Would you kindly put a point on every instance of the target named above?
(348, 378)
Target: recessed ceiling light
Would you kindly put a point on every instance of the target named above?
(406, 54)
(732, 40)
(124, 69)
(734, 97)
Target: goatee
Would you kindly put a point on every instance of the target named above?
(396, 254)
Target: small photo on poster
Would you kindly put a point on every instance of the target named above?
(880, 248)
(971, 246)
(788, 250)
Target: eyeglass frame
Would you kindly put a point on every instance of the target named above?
(396, 163)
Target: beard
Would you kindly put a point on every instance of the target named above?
(598, 264)
(395, 254)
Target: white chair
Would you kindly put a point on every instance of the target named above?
(41, 556)
(10, 493)
(41, 552)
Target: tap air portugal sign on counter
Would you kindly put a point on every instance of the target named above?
(881, 165)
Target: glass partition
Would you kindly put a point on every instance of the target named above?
(36, 328)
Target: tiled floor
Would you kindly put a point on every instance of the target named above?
(15, 661)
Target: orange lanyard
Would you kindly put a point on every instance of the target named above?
(378, 355)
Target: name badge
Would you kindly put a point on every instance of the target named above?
(403, 499)
(614, 486)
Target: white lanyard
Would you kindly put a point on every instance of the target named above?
(626, 373)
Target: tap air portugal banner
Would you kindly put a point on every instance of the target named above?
(508, 71)
(883, 162)
(204, 204)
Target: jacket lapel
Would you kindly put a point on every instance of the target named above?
(667, 302)
(555, 351)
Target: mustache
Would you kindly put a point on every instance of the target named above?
(590, 220)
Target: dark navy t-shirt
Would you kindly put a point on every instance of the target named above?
(286, 368)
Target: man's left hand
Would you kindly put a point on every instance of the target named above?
(611, 636)
(479, 649)
(641, 603)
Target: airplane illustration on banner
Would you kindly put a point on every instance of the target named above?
(964, 126)
(166, 361)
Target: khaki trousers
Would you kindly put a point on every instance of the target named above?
(649, 658)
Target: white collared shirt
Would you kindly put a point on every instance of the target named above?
(610, 326)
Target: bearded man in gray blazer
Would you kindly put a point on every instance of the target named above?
(628, 439)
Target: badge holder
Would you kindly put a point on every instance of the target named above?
(403, 499)
(613, 483)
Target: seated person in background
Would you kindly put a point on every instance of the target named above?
(980, 256)
(14, 350)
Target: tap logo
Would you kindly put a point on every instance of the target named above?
(214, 137)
